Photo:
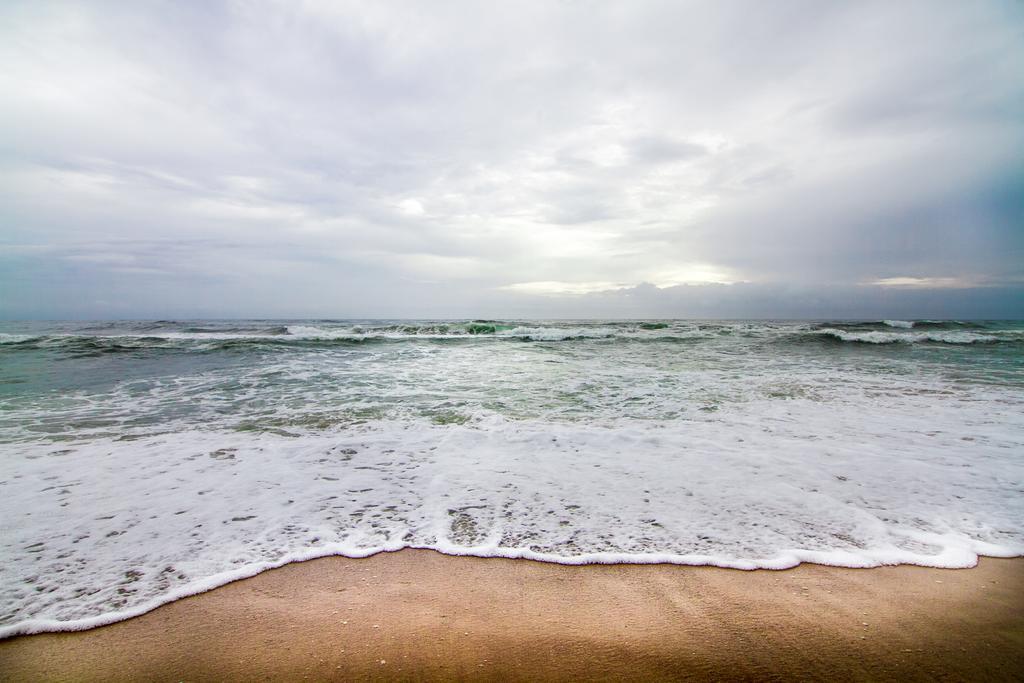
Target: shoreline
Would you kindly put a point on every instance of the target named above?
(781, 563)
(431, 616)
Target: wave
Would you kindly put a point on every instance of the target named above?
(883, 325)
(952, 325)
(16, 338)
(497, 488)
(81, 346)
(213, 337)
(876, 337)
(258, 331)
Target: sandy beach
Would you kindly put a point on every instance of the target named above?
(419, 615)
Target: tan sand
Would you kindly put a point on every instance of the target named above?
(418, 615)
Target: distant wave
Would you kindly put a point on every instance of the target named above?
(188, 338)
(15, 338)
(269, 331)
(876, 337)
(903, 325)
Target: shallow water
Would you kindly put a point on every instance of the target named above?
(143, 461)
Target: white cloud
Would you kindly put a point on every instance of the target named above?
(411, 207)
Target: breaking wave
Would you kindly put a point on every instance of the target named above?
(167, 336)
(875, 337)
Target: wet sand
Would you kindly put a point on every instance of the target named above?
(419, 615)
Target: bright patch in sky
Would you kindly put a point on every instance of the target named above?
(947, 282)
(564, 288)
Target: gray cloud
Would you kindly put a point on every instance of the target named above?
(403, 159)
(654, 149)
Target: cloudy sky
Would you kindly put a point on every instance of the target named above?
(500, 159)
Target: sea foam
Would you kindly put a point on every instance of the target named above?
(876, 337)
(106, 529)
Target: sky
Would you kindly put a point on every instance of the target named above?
(512, 159)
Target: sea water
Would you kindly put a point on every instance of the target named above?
(144, 461)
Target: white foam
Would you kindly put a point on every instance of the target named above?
(435, 332)
(311, 332)
(559, 333)
(903, 324)
(103, 529)
(14, 338)
(876, 337)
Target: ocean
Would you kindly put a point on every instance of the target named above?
(141, 462)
